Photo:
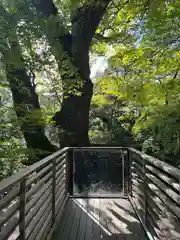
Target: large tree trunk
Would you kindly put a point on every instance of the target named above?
(26, 103)
(73, 49)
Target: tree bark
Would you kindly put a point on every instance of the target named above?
(73, 50)
(26, 102)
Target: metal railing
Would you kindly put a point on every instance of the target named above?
(155, 195)
(32, 201)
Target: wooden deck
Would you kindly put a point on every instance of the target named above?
(95, 219)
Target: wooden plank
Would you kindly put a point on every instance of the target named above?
(96, 226)
(58, 218)
(130, 227)
(76, 221)
(82, 221)
(104, 219)
(112, 219)
(61, 218)
(123, 217)
(64, 220)
(89, 221)
(68, 226)
(123, 224)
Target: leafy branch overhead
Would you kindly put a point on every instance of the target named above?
(49, 52)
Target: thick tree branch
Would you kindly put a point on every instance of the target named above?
(46, 7)
(72, 54)
(25, 99)
(86, 19)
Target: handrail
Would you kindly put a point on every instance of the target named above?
(12, 180)
(155, 194)
(33, 200)
(173, 171)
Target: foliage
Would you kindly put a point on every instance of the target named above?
(144, 76)
(136, 99)
(11, 148)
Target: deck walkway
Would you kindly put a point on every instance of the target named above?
(95, 219)
(41, 202)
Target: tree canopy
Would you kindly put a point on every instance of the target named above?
(48, 99)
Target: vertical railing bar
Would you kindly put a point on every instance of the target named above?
(122, 157)
(22, 210)
(70, 171)
(67, 172)
(179, 190)
(72, 163)
(53, 190)
(129, 173)
(145, 192)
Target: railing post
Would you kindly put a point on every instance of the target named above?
(123, 172)
(179, 190)
(22, 210)
(145, 192)
(53, 190)
(69, 172)
(129, 173)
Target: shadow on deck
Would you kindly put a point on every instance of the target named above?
(93, 218)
